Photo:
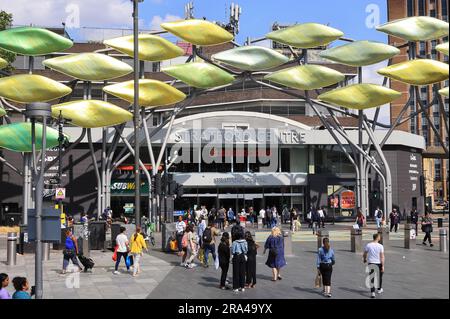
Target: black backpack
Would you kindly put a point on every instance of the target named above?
(207, 236)
(380, 214)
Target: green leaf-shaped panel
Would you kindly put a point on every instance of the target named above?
(199, 74)
(33, 41)
(151, 47)
(198, 32)
(89, 66)
(28, 88)
(360, 53)
(3, 63)
(360, 96)
(2, 112)
(152, 93)
(443, 48)
(251, 58)
(92, 113)
(305, 36)
(416, 28)
(306, 77)
(17, 137)
(417, 72)
(444, 92)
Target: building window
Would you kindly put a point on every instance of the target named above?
(422, 8)
(437, 170)
(433, 49)
(156, 67)
(444, 9)
(410, 8)
(422, 48)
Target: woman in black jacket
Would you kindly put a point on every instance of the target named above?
(224, 258)
(250, 274)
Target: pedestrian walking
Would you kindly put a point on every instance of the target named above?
(209, 242)
(239, 251)
(360, 218)
(321, 217)
(275, 259)
(325, 263)
(21, 285)
(180, 228)
(285, 215)
(221, 218)
(262, 215)
(123, 247)
(395, 219)
(274, 217)
(192, 247)
(309, 218)
(137, 246)
(243, 218)
(315, 220)
(224, 258)
(374, 256)
(427, 228)
(200, 230)
(378, 216)
(250, 274)
(4, 283)
(269, 217)
(70, 251)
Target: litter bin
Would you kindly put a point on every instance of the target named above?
(168, 231)
(81, 233)
(97, 235)
(440, 223)
(45, 251)
(321, 234)
(287, 236)
(410, 236)
(356, 240)
(11, 249)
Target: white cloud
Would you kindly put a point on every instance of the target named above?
(111, 13)
(155, 24)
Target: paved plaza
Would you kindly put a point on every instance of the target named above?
(421, 272)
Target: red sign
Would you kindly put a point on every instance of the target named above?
(348, 200)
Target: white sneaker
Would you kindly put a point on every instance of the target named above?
(380, 291)
(372, 295)
(183, 264)
(236, 290)
(242, 289)
(116, 272)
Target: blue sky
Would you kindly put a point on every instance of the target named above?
(258, 15)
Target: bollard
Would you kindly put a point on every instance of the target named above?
(321, 234)
(45, 251)
(384, 235)
(12, 249)
(260, 223)
(287, 236)
(356, 240)
(440, 223)
(443, 240)
(410, 236)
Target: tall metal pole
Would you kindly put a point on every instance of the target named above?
(137, 177)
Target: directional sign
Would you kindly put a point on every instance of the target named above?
(60, 193)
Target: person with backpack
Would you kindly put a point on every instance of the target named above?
(192, 247)
(239, 251)
(224, 258)
(209, 242)
(378, 216)
(394, 217)
(70, 251)
(250, 273)
(123, 247)
(137, 246)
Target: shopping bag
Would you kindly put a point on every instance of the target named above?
(173, 245)
(318, 280)
(114, 256)
(129, 261)
(355, 226)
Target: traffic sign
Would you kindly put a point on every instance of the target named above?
(60, 193)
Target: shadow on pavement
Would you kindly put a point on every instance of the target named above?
(356, 291)
(309, 290)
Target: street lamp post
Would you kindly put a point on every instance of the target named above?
(36, 111)
(136, 119)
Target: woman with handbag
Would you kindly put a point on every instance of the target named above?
(70, 251)
(325, 262)
(275, 260)
(427, 228)
(137, 246)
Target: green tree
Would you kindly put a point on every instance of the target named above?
(6, 20)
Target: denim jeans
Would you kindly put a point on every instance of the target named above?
(378, 220)
(209, 248)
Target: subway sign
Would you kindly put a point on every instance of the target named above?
(127, 187)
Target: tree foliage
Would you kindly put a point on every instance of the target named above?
(6, 20)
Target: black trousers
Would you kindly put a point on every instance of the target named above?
(394, 225)
(326, 270)
(223, 276)
(427, 236)
(380, 278)
(239, 271)
(179, 241)
(250, 274)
